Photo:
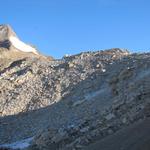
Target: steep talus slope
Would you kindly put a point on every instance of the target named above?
(129, 82)
(89, 96)
(71, 103)
(34, 83)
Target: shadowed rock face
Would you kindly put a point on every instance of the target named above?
(134, 137)
(5, 44)
(5, 32)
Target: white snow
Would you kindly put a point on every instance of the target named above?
(21, 45)
(94, 94)
(19, 144)
(103, 70)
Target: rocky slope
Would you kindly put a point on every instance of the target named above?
(121, 99)
(133, 137)
(33, 83)
(72, 102)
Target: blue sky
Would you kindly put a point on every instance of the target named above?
(59, 27)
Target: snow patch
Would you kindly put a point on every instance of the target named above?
(21, 45)
(94, 94)
(19, 144)
(103, 70)
(90, 96)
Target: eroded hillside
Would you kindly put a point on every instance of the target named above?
(73, 102)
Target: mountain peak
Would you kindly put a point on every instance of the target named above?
(10, 41)
(6, 31)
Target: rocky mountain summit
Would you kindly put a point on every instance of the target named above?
(10, 41)
(12, 48)
(73, 102)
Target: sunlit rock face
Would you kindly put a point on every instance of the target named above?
(5, 32)
(10, 41)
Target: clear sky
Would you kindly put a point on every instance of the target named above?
(59, 27)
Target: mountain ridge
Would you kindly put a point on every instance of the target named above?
(75, 101)
(11, 47)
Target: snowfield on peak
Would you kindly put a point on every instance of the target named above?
(21, 45)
